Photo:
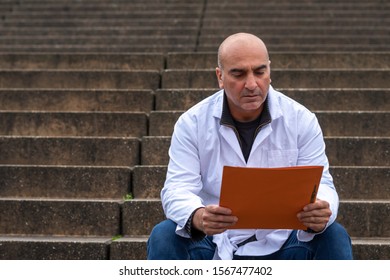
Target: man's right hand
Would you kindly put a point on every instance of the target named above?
(213, 219)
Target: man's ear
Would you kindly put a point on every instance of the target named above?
(269, 65)
(218, 72)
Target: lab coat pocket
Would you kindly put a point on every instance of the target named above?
(282, 158)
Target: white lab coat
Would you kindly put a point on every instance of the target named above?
(201, 146)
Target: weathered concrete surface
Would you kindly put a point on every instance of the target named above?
(73, 100)
(117, 151)
(68, 182)
(59, 217)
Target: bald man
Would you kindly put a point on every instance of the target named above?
(247, 123)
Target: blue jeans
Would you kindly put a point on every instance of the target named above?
(165, 244)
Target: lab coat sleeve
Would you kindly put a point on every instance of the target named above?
(183, 182)
(312, 152)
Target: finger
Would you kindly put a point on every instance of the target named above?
(218, 210)
(318, 227)
(315, 220)
(318, 204)
(218, 219)
(211, 228)
(314, 213)
(217, 225)
(315, 223)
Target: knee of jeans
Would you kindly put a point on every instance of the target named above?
(337, 231)
(337, 243)
(338, 236)
(164, 230)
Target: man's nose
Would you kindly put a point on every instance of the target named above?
(250, 82)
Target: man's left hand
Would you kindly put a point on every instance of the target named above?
(315, 215)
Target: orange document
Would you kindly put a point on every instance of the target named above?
(269, 198)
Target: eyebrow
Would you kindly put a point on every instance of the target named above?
(261, 67)
(240, 70)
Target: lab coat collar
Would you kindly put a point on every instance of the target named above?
(273, 104)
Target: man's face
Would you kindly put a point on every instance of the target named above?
(245, 76)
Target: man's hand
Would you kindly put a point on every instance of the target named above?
(315, 215)
(213, 219)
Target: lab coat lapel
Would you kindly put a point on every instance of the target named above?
(231, 140)
(227, 133)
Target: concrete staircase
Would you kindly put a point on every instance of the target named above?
(90, 90)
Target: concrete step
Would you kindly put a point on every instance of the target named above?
(289, 60)
(41, 23)
(299, 39)
(333, 123)
(365, 218)
(180, 99)
(161, 123)
(90, 151)
(345, 123)
(190, 1)
(5, 8)
(89, 61)
(363, 99)
(361, 182)
(300, 47)
(260, 12)
(184, 47)
(148, 180)
(139, 2)
(54, 248)
(91, 2)
(357, 99)
(88, 48)
(73, 100)
(289, 78)
(358, 151)
(65, 182)
(110, 79)
(285, 30)
(341, 151)
(352, 182)
(148, 29)
(323, 25)
(139, 216)
(59, 217)
(154, 150)
(297, 5)
(371, 248)
(117, 14)
(104, 124)
(293, 12)
(317, 22)
(171, 30)
(190, 60)
(161, 10)
(271, 5)
(309, 3)
(95, 6)
(97, 40)
(131, 248)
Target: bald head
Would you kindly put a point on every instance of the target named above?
(240, 43)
